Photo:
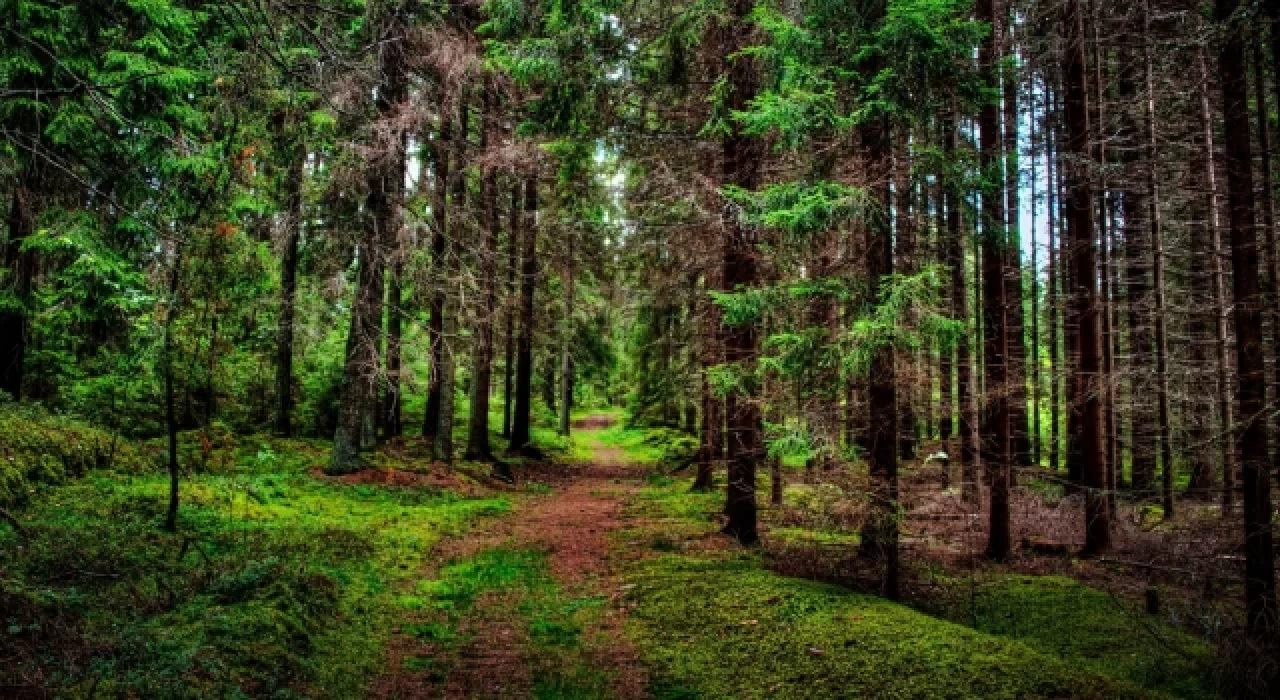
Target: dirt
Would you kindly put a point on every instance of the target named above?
(572, 525)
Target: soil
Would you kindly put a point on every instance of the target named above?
(572, 525)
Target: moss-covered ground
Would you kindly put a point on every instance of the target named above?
(282, 582)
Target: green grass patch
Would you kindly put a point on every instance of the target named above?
(278, 583)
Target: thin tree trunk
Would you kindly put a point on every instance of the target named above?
(442, 446)
(1270, 295)
(439, 250)
(1053, 297)
(508, 366)
(1163, 427)
(1085, 387)
(170, 413)
(482, 357)
(960, 309)
(524, 344)
(1260, 582)
(288, 293)
(391, 426)
(566, 341)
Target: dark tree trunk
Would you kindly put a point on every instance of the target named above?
(170, 411)
(508, 365)
(566, 359)
(1260, 582)
(995, 443)
(1085, 388)
(741, 159)
(960, 309)
(391, 425)
(711, 449)
(442, 446)
(524, 345)
(439, 250)
(288, 292)
(386, 184)
(482, 358)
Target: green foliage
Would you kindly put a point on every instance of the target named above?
(905, 317)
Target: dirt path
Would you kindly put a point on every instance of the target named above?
(572, 527)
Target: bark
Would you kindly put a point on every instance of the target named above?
(1016, 362)
(1269, 281)
(1052, 301)
(508, 365)
(711, 449)
(524, 344)
(740, 165)
(391, 423)
(288, 293)
(482, 349)
(566, 341)
(1204, 221)
(170, 411)
(996, 437)
(439, 249)
(1164, 431)
(386, 182)
(1260, 583)
(960, 309)
(442, 446)
(1084, 389)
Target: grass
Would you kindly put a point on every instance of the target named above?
(523, 595)
(278, 583)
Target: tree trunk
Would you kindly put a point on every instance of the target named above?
(442, 446)
(741, 158)
(391, 425)
(566, 341)
(288, 293)
(996, 438)
(482, 349)
(1164, 431)
(439, 249)
(1260, 583)
(170, 412)
(524, 345)
(960, 310)
(508, 365)
(1084, 389)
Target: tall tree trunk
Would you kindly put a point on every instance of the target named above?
(528, 287)
(1270, 283)
(508, 365)
(439, 250)
(1164, 430)
(711, 449)
(965, 374)
(995, 443)
(1260, 582)
(1199, 405)
(14, 325)
(391, 425)
(904, 238)
(482, 349)
(1085, 388)
(1053, 298)
(741, 158)
(566, 342)
(288, 292)
(1016, 361)
(442, 446)
(170, 412)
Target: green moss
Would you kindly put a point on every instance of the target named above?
(38, 449)
(728, 628)
(278, 582)
(1094, 630)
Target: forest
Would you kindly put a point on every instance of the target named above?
(639, 348)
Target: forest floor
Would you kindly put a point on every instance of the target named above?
(613, 582)
(599, 575)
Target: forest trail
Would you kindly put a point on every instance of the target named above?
(502, 648)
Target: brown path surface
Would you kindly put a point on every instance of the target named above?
(572, 525)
